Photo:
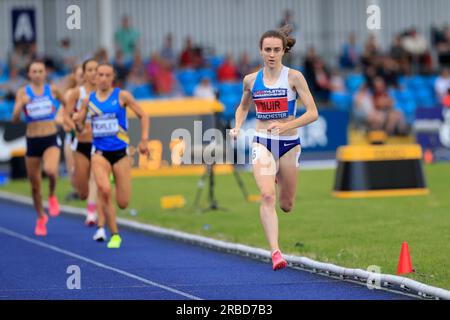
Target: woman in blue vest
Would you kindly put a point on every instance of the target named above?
(276, 146)
(37, 101)
(107, 110)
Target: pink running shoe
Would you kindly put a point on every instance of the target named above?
(41, 229)
(278, 262)
(91, 218)
(53, 206)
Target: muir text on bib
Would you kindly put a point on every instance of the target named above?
(271, 104)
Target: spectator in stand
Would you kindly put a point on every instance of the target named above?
(13, 84)
(137, 75)
(167, 52)
(121, 69)
(245, 66)
(205, 90)
(101, 56)
(337, 83)
(126, 39)
(392, 119)
(322, 82)
(370, 73)
(66, 59)
(371, 51)
(198, 61)
(350, 55)
(164, 80)
(227, 71)
(443, 48)
(446, 100)
(400, 56)
(153, 66)
(160, 75)
(20, 58)
(442, 84)
(187, 55)
(308, 64)
(364, 109)
(389, 71)
(417, 47)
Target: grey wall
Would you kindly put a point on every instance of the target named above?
(227, 25)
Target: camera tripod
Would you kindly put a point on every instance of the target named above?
(209, 175)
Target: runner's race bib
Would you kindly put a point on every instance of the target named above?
(39, 108)
(271, 104)
(105, 125)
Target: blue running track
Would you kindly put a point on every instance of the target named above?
(146, 267)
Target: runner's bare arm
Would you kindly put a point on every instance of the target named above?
(71, 96)
(20, 102)
(79, 117)
(59, 96)
(244, 107)
(129, 101)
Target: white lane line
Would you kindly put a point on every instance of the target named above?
(95, 263)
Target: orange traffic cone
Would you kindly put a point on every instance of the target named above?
(428, 156)
(404, 263)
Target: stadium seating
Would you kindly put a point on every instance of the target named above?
(4, 72)
(354, 81)
(230, 102)
(143, 92)
(6, 109)
(404, 101)
(341, 101)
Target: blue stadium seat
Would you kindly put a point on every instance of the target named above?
(424, 98)
(208, 73)
(4, 73)
(354, 81)
(229, 88)
(143, 92)
(405, 101)
(216, 61)
(187, 76)
(430, 81)
(341, 101)
(231, 102)
(189, 87)
(415, 82)
(6, 109)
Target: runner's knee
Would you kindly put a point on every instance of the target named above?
(104, 191)
(122, 203)
(268, 198)
(50, 172)
(83, 194)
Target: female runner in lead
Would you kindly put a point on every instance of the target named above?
(276, 146)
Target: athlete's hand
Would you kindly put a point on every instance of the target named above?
(234, 133)
(25, 100)
(68, 124)
(276, 128)
(143, 148)
(77, 122)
